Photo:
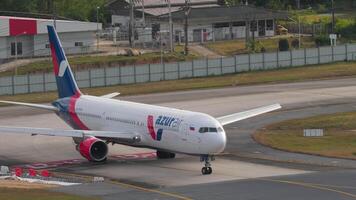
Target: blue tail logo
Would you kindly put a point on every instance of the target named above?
(67, 87)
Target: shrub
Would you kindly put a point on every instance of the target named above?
(295, 43)
(283, 45)
(322, 40)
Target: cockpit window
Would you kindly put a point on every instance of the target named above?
(208, 129)
(213, 130)
(203, 129)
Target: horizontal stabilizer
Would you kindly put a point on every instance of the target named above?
(69, 133)
(228, 119)
(40, 106)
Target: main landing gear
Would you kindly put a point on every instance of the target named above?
(207, 169)
(165, 155)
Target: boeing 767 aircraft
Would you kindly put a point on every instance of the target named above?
(98, 121)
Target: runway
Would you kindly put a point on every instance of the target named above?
(246, 170)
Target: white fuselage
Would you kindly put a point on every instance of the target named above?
(159, 127)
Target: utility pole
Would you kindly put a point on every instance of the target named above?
(131, 25)
(333, 17)
(298, 4)
(143, 13)
(97, 28)
(170, 26)
(187, 10)
(54, 14)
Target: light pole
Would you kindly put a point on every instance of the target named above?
(333, 17)
(97, 28)
(170, 26)
(23, 33)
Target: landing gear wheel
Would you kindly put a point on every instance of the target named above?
(210, 170)
(207, 169)
(165, 155)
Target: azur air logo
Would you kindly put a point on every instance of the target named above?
(151, 129)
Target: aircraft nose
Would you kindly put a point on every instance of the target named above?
(221, 142)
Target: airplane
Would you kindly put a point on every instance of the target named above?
(99, 121)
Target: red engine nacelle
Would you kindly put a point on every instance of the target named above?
(93, 149)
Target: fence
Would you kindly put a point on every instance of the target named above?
(180, 70)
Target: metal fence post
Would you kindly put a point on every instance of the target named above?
(28, 84)
(249, 62)
(277, 55)
(332, 54)
(44, 82)
(235, 63)
(178, 63)
(305, 56)
(291, 58)
(13, 84)
(207, 66)
(164, 71)
(105, 77)
(193, 68)
(134, 67)
(346, 52)
(149, 72)
(263, 61)
(221, 65)
(319, 55)
(90, 78)
(120, 81)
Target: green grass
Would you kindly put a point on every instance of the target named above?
(86, 62)
(36, 194)
(339, 139)
(228, 48)
(340, 69)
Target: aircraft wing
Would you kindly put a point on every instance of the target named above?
(228, 119)
(41, 106)
(70, 133)
(111, 95)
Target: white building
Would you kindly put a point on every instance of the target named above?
(27, 37)
(208, 20)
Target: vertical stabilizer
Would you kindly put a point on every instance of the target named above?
(66, 84)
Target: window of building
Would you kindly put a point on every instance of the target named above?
(47, 46)
(78, 44)
(239, 23)
(19, 48)
(221, 25)
(269, 25)
(253, 26)
(13, 48)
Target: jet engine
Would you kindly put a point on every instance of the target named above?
(93, 149)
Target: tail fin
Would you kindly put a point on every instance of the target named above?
(66, 84)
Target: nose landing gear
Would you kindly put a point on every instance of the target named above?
(207, 169)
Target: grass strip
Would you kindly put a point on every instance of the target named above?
(339, 138)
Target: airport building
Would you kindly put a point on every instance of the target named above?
(207, 20)
(27, 37)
